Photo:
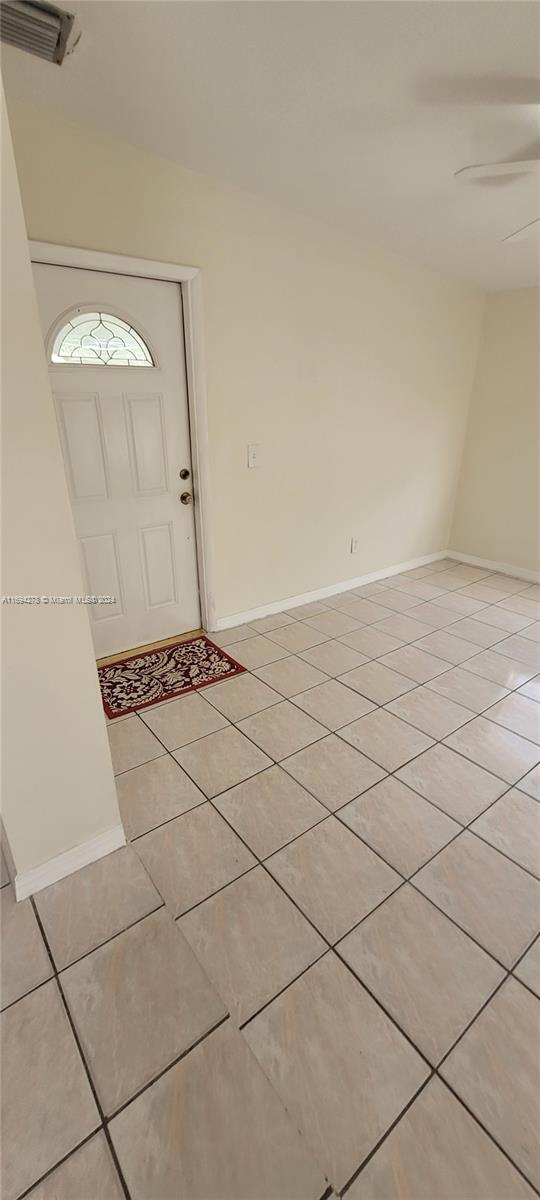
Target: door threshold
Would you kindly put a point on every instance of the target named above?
(133, 652)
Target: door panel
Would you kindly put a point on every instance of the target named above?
(157, 553)
(125, 436)
(82, 440)
(146, 426)
(102, 574)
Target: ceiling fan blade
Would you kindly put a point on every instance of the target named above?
(520, 234)
(485, 170)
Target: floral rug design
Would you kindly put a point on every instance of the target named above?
(158, 675)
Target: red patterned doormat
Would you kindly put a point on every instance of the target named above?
(158, 675)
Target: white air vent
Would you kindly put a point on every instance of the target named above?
(38, 28)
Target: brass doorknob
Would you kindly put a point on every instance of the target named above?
(186, 498)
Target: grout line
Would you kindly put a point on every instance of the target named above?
(105, 1119)
(388, 773)
(386, 1134)
(69, 1017)
(116, 1160)
(460, 1101)
(78, 1043)
(289, 654)
(330, 947)
(178, 916)
(174, 1063)
(258, 861)
(410, 880)
(113, 936)
(462, 928)
(435, 1068)
(508, 728)
(417, 684)
(205, 800)
(507, 975)
(141, 764)
(327, 950)
(422, 1054)
(518, 962)
(168, 820)
(30, 991)
(491, 1136)
(376, 1000)
(492, 846)
(95, 1133)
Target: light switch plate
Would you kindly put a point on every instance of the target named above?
(253, 454)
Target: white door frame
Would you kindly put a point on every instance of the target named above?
(190, 281)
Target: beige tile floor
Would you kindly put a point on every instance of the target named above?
(315, 968)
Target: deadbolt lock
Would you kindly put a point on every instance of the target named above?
(184, 473)
(186, 498)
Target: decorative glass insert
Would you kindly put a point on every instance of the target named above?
(99, 339)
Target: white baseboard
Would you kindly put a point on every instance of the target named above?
(266, 610)
(36, 878)
(491, 565)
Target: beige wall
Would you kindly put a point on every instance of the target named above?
(351, 368)
(58, 789)
(497, 513)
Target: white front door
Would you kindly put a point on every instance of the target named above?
(116, 359)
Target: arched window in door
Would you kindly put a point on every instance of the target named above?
(95, 339)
